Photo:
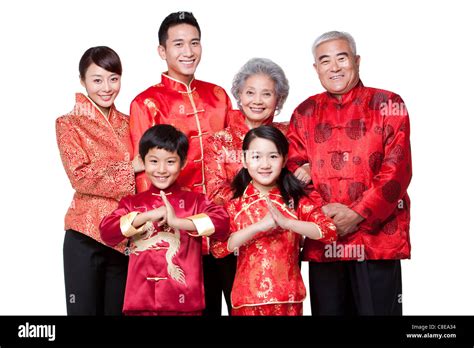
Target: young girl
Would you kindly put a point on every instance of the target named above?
(269, 215)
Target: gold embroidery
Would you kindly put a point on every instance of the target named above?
(149, 241)
(150, 105)
(267, 286)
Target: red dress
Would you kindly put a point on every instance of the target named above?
(268, 279)
(96, 153)
(198, 110)
(223, 155)
(359, 152)
(165, 267)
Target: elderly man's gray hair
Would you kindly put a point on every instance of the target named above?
(266, 67)
(334, 35)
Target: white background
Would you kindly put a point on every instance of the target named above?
(422, 50)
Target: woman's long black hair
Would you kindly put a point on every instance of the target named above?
(290, 187)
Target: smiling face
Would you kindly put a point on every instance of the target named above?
(162, 167)
(182, 52)
(337, 66)
(258, 99)
(102, 86)
(263, 163)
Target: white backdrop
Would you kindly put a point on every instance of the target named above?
(419, 49)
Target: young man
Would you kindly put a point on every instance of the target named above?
(196, 108)
(357, 141)
(164, 225)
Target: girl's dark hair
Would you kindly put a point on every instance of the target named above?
(173, 19)
(290, 187)
(166, 137)
(102, 56)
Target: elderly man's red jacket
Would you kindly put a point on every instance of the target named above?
(358, 148)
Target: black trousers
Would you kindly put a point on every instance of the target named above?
(218, 277)
(371, 287)
(94, 275)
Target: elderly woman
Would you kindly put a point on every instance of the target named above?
(95, 147)
(261, 89)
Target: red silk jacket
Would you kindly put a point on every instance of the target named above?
(359, 152)
(267, 266)
(165, 266)
(198, 111)
(96, 154)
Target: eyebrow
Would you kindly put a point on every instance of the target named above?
(345, 54)
(181, 40)
(98, 75)
(166, 158)
(264, 153)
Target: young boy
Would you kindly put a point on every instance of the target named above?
(198, 109)
(164, 225)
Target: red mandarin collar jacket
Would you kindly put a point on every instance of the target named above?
(96, 154)
(267, 266)
(165, 266)
(359, 152)
(198, 110)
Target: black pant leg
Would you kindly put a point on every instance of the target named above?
(212, 287)
(115, 270)
(377, 287)
(83, 281)
(227, 268)
(329, 289)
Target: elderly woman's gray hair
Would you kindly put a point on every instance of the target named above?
(266, 67)
(334, 35)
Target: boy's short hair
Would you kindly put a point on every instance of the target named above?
(166, 137)
(173, 19)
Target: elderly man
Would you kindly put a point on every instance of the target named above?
(356, 140)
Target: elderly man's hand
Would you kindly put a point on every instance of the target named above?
(345, 219)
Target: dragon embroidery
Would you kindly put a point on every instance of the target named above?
(149, 240)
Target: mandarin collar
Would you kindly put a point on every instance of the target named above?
(252, 191)
(237, 121)
(349, 96)
(176, 85)
(82, 99)
(173, 189)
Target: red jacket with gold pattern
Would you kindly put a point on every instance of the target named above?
(96, 154)
(198, 110)
(359, 152)
(165, 266)
(267, 266)
(223, 155)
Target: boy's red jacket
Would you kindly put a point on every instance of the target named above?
(165, 267)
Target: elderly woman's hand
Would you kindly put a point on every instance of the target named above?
(303, 174)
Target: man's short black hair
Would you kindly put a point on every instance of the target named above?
(173, 19)
(166, 137)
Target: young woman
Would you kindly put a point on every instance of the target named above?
(95, 148)
(270, 212)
